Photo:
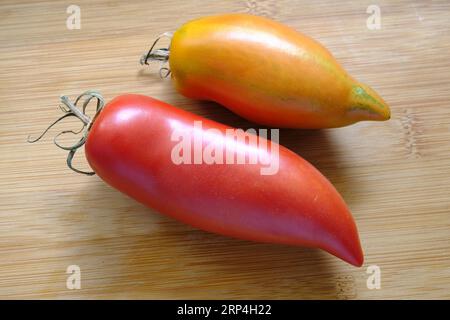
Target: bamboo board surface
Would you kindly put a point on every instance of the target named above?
(395, 176)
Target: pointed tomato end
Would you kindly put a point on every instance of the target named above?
(352, 252)
(366, 104)
(348, 246)
(357, 258)
(354, 257)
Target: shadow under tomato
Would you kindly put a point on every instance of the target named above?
(161, 258)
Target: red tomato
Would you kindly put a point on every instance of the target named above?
(130, 146)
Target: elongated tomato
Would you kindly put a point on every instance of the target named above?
(267, 73)
(132, 144)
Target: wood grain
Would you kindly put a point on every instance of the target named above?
(395, 176)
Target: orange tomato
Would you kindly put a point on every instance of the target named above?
(268, 73)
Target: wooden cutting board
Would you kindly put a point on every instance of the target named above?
(393, 175)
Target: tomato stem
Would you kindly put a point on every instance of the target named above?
(160, 54)
(71, 110)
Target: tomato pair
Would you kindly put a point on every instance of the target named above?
(265, 72)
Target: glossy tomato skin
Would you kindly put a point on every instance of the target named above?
(130, 146)
(268, 73)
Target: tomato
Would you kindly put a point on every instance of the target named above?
(267, 73)
(131, 146)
